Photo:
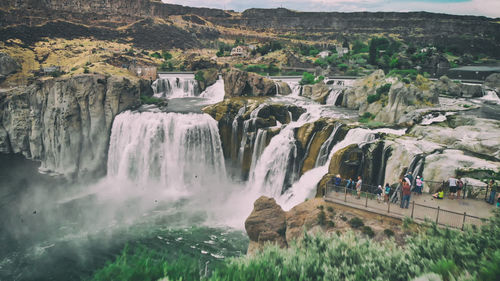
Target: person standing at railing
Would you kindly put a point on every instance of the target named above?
(419, 185)
(452, 183)
(337, 181)
(493, 190)
(379, 192)
(460, 186)
(406, 189)
(387, 192)
(358, 186)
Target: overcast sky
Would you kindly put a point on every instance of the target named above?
(489, 8)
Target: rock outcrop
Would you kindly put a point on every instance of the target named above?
(7, 66)
(239, 83)
(493, 82)
(388, 99)
(266, 223)
(66, 123)
(206, 78)
(318, 92)
(445, 86)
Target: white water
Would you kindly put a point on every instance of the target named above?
(324, 150)
(214, 93)
(491, 97)
(305, 187)
(175, 86)
(333, 96)
(170, 149)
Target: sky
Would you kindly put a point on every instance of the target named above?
(488, 8)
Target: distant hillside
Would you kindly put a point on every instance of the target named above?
(187, 27)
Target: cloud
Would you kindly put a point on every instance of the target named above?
(489, 8)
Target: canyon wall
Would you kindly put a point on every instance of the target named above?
(66, 123)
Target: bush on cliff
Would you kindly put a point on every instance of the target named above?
(309, 79)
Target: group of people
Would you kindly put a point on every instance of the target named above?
(408, 185)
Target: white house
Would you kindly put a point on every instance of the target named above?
(341, 51)
(241, 51)
(324, 54)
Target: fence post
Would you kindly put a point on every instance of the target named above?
(437, 216)
(366, 203)
(345, 194)
(412, 208)
(463, 222)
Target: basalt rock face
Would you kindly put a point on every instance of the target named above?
(318, 92)
(240, 119)
(493, 82)
(266, 223)
(239, 83)
(66, 123)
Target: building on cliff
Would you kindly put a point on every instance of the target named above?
(240, 51)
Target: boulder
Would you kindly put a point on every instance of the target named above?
(239, 83)
(445, 86)
(267, 222)
(493, 82)
(318, 92)
(8, 65)
(206, 78)
(283, 88)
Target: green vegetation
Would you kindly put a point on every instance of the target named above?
(322, 217)
(368, 231)
(156, 55)
(147, 265)
(85, 70)
(198, 76)
(267, 48)
(356, 222)
(151, 100)
(263, 69)
(166, 66)
(380, 92)
(388, 232)
(309, 79)
(166, 55)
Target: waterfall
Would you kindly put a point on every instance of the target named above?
(416, 167)
(259, 146)
(326, 147)
(175, 86)
(385, 156)
(168, 149)
(277, 85)
(214, 93)
(305, 187)
(334, 96)
(248, 128)
(276, 166)
(234, 132)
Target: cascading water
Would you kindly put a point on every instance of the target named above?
(248, 129)
(175, 86)
(306, 185)
(326, 147)
(259, 146)
(334, 96)
(214, 93)
(170, 149)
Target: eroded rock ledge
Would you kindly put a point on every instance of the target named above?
(66, 123)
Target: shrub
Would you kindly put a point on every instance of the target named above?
(342, 217)
(342, 66)
(198, 76)
(85, 70)
(321, 218)
(368, 231)
(320, 62)
(372, 98)
(156, 55)
(331, 224)
(446, 268)
(388, 232)
(329, 209)
(151, 100)
(356, 222)
(166, 55)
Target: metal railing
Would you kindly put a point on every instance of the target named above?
(418, 212)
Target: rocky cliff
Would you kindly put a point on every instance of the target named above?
(268, 223)
(66, 123)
